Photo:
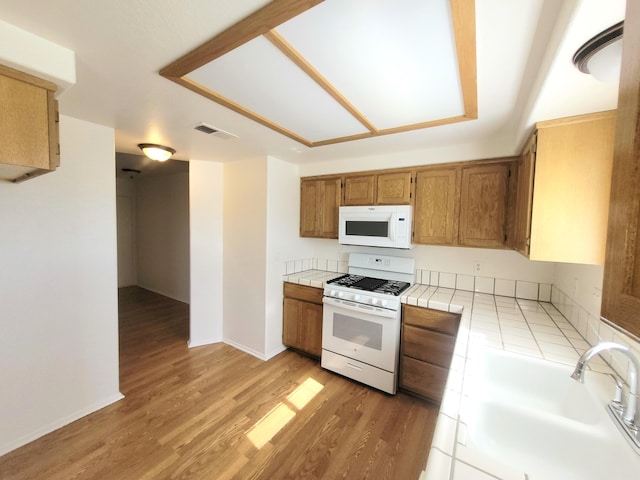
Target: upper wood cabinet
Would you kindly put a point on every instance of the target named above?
(360, 190)
(521, 234)
(29, 126)
(394, 188)
(564, 186)
(319, 202)
(621, 288)
(378, 189)
(461, 203)
(483, 205)
(436, 206)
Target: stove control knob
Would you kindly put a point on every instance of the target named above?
(383, 303)
(341, 294)
(332, 293)
(374, 301)
(356, 297)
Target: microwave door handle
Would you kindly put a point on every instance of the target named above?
(392, 226)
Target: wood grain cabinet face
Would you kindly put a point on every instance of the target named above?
(483, 200)
(29, 125)
(621, 288)
(436, 206)
(520, 237)
(564, 186)
(302, 318)
(359, 190)
(319, 203)
(393, 188)
(426, 349)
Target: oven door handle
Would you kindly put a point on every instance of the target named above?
(354, 307)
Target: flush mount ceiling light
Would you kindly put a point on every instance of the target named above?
(601, 56)
(156, 152)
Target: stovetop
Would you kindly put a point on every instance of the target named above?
(370, 284)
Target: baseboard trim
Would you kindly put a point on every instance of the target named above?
(203, 343)
(245, 349)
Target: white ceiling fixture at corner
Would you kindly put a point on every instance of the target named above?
(343, 70)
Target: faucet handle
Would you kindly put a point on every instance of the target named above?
(617, 403)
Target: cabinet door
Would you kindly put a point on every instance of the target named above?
(302, 326)
(319, 202)
(311, 328)
(483, 200)
(292, 311)
(28, 121)
(309, 216)
(329, 201)
(572, 186)
(359, 190)
(435, 212)
(521, 236)
(423, 378)
(394, 188)
(621, 288)
(428, 346)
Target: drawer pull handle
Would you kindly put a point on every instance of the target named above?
(355, 367)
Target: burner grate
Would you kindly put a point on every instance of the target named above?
(371, 284)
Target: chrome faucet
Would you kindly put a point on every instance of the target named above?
(628, 416)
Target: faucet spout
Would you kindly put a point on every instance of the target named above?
(630, 415)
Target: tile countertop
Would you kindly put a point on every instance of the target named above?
(516, 325)
(312, 278)
(526, 327)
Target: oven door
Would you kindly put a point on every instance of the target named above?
(362, 332)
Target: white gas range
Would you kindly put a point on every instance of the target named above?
(361, 319)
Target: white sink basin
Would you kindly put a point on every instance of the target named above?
(530, 415)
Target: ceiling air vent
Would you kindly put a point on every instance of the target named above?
(211, 130)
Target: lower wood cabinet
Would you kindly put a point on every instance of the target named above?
(426, 348)
(302, 318)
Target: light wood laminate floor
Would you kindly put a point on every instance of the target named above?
(217, 413)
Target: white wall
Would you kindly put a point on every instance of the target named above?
(283, 214)
(162, 234)
(58, 295)
(245, 228)
(206, 243)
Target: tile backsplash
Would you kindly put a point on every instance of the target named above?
(596, 330)
(478, 284)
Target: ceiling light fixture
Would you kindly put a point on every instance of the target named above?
(601, 56)
(156, 152)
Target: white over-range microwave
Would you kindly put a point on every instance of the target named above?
(376, 226)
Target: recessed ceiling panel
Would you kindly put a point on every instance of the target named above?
(261, 79)
(394, 60)
(328, 72)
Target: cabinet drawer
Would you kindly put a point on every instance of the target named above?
(427, 345)
(423, 378)
(443, 322)
(303, 292)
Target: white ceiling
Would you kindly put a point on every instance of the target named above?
(524, 51)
